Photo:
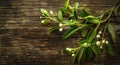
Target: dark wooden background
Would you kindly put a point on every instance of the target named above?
(25, 41)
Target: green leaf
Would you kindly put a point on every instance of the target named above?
(44, 12)
(81, 42)
(109, 49)
(84, 11)
(89, 17)
(74, 58)
(67, 3)
(88, 54)
(105, 15)
(76, 14)
(91, 35)
(84, 32)
(67, 22)
(80, 54)
(76, 5)
(95, 49)
(116, 10)
(76, 10)
(53, 28)
(60, 16)
(92, 19)
(111, 30)
(63, 9)
(70, 32)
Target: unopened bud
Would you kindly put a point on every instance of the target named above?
(60, 29)
(98, 43)
(106, 42)
(60, 25)
(40, 17)
(51, 12)
(103, 41)
(42, 21)
(98, 36)
(100, 32)
(101, 46)
(73, 54)
(68, 49)
(85, 44)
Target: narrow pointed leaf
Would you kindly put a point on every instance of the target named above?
(76, 14)
(88, 54)
(116, 10)
(110, 49)
(76, 5)
(70, 32)
(80, 54)
(60, 16)
(84, 12)
(67, 3)
(112, 32)
(44, 11)
(84, 32)
(95, 49)
(91, 35)
(53, 28)
(105, 15)
(92, 19)
(76, 10)
(74, 59)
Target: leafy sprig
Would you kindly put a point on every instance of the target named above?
(93, 29)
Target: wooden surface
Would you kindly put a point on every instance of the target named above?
(25, 41)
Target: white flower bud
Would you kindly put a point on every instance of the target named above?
(98, 43)
(40, 17)
(67, 48)
(42, 21)
(51, 12)
(101, 47)
(54, 19)
(106, 42)
(98, 36)
(60, 29)
(51, 18)
(42, 14)
(100, 32)
(73, 54)
(103, 41)
(71, 20)
(60, 25)
(85, 44)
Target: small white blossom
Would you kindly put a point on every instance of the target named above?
(51, 18)
(103, 41)
(73, 54)
(60, 29)
(98, 43)
(71, 20)
(98, 36)
(42, 21)
(106, 42)
(42, 14)
(101, 46)
(40, 17)
(85, 44)
(67, 48)
(60, 25)
(51, 12)
(100, 32)
(54, 19)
